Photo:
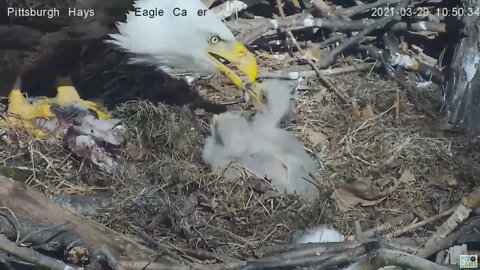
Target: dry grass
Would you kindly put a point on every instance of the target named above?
(163, 185)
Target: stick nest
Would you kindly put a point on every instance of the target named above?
(164, 187)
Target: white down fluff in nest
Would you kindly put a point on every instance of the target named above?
(320, 234)
(262, 146)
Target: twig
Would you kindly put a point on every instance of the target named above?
(280, 8)
(387, 257)
(6, 264)
(473, 223)
(32, 256)
(360, 36)
(397, 104)
(203, 254)
(322, 7)
(38, 235)
(28, 236)
(341, 258)
(349, 12)
(7, 219)
(417, 225)
(311, 251)
(440, 257)
(400, 220)
(154, 266)
(13, 263)
(166, 249)
(326, 82)
(304, 21)
(208, 3)
(286, 262)
(324, 261)
(397, 58)
(358, 231)
(301, 21)
(343, 98)
(228, 8)
(468, 238)
(420, 27)
(459, 215)
(171, 266)
(293, 75)
(105, 252)
(411, 90)
(314, 247)
(405, 244)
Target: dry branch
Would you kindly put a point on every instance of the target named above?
(400, 220)
(293, 75)
(32, 256)
(360, 37)
(349, 12)
(166, 249)
(258, 27)
(399, 78)
(106, 254)
(460, 214)
(28, 203)
(26, 231)
(405, 229)
(172, 266)
(228, 8)
(472, 224)
(306, 250)
(324, 261)
(326, 82)
(386, 257)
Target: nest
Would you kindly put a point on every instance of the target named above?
(163, 187)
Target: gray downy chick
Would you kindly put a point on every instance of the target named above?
(230, 140)
(262, 147)
(284, 162)
(279, 94)
(291, 168)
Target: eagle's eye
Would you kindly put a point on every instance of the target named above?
(214, 39)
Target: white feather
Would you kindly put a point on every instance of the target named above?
(319, 234)
(178, 42)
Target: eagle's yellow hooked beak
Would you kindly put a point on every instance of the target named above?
(255, 92)
(239, 56)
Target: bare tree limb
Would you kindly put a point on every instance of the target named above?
(387, 257)
(32, 256)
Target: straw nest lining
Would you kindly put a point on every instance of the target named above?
(164, 187)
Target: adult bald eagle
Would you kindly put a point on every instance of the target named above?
(184, 36)
(181, 35)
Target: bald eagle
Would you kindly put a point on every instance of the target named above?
(185, 37)
(181, 35)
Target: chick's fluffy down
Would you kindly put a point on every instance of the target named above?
(262, 147)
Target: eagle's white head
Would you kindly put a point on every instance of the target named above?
(198, 42)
